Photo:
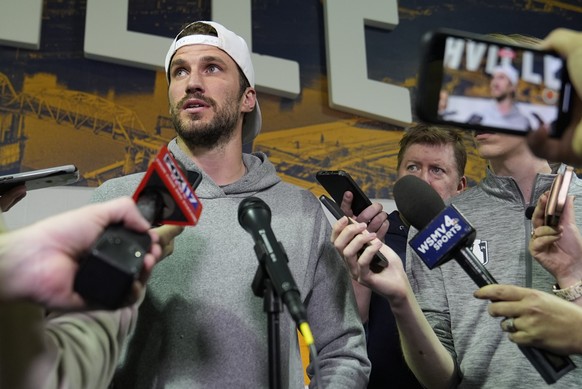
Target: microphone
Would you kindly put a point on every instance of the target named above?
(444, 234)
(254, 215)
(475, 119)
(164, 196)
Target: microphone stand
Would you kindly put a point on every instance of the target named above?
(272, 305)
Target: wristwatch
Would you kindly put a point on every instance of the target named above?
(570, 293)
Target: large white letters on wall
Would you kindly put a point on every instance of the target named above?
(107, 39)
(276, 76)
(20, 22)
(350, 89)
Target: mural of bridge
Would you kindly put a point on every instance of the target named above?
(78, 111)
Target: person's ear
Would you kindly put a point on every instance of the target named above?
(249, 100)
(462, 184)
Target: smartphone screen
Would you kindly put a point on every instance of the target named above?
(475, 82)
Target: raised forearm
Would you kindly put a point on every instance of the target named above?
(363, 296)
(428, 359)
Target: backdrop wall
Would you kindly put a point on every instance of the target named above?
(80, 80)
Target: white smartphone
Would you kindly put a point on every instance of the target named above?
(41, 178)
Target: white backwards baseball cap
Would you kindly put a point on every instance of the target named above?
(509, 72)
(237, 49)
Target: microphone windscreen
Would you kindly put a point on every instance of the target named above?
(417, 201)
(253, 212)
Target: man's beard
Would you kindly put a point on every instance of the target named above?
(501, 96)
(210, 135)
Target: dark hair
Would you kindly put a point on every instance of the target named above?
(434, 135)
(199, 28)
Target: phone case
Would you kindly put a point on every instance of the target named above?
(332, 207)
(379, 260)
(337, 182)
(558, 196)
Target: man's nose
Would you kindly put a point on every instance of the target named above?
(194, 84)
(425, 176)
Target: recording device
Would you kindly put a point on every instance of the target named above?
(558, 196)
(41, 178)
(379, 261)
(337, 182)
(459, 73)
(444, 234)
(254, 215)
(164, 196)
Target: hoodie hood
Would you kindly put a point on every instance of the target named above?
(261, 175)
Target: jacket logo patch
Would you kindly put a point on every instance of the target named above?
(480, 250)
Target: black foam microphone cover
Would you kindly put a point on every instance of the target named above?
(426, 205)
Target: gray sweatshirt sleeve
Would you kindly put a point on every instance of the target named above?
(74, 350)
(334, 318)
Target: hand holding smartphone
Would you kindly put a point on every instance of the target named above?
(337, 182)
(558, 196)
(468, 80)
(42, 178)
(379, 262)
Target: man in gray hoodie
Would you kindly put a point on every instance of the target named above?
(200, 325)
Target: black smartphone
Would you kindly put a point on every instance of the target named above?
(478, 82)
(558, 196)
(379, 262)
(194, 178)
(337, 182)
(41, 178)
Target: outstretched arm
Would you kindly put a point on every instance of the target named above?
(558, 249)
(37, 266)
(38, 263)
(540, 319)
(426, 356)
(377, 222)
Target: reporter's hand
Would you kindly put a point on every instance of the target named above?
(167, 233)
(541, 319)
(374, 216)
(11, 197)
(38, 263)
(349, 240)
(557, 249)
(568, 148)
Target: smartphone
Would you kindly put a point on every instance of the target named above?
(379, 262)
(337, 182)
(463, 76)
(42, 178)
(558, 196)
(194, 178)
